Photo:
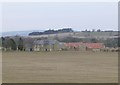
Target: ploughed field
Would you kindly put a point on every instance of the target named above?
(60, 67)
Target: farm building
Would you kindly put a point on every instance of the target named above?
(94, 46)
(47, 45)
(75, 46)
(85, 46)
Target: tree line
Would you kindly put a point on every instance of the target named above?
(11, 44)
(19, 43)
(52, 31)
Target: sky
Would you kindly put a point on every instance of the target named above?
(55, 15)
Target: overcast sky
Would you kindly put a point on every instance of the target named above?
(42, 16)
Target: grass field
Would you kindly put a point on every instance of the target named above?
(60, 67)
(0, 67)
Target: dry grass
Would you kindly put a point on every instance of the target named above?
(60, 67)
(0, 67)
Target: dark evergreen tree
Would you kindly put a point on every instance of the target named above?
(11, 44)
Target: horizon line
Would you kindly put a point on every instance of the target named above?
(56, 29)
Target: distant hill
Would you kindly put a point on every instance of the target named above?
(20, 33)
(81, 35)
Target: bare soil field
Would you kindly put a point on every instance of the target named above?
(60, 67)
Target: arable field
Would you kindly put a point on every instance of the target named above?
(60, 67)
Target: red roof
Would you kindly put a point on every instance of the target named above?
(89, 45)
(72, 44)
(94, 45)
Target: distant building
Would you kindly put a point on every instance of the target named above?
(85, 46)
(47, 45)
(94, 46)
(73, 46)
